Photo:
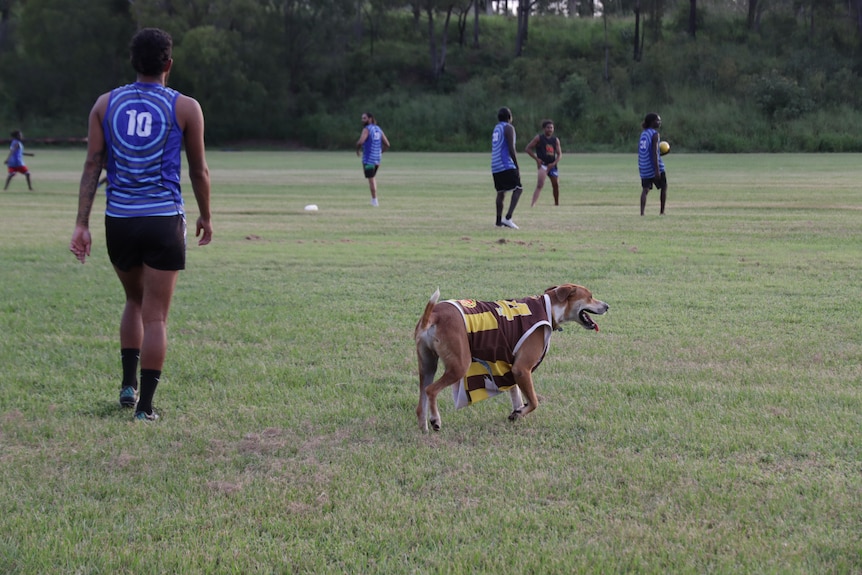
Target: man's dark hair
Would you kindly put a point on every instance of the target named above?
(649, 120)
(545, 123)
(16, 134)
(504, 114)
(150, 51)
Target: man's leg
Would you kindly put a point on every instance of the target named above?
(663, 198)
(372, 185)
(540, 183)
(643, 199)
(8, 179)
(516, 195)
(131, 334)
(499, 206)
(555, 184)
(148, 299)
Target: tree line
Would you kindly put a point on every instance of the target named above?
(769, 75)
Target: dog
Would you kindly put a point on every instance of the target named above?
(458, 332)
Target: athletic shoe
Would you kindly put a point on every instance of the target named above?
(128, 396)
(510, 224)
(147, 417)
(374, 202)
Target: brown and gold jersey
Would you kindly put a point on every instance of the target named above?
(495, 331)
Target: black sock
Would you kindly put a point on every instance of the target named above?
(130, 357)
(149, 382)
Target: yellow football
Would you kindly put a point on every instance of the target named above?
(663, 148)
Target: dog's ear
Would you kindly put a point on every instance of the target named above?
(560, 293)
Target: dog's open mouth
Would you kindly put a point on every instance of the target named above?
(587, 321)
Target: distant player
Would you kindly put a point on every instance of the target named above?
(650, 164)
(15, 160)
(504, 167)
(545, 149)
(371, 144)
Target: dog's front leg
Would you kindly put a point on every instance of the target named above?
(522, 369)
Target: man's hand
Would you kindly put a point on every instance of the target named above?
(81, 242)
(204, 229)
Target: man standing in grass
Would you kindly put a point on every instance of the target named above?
(650, 164)
(371, 144)
(136, 133)
(545, 149)
(15, 160)
(504, 167)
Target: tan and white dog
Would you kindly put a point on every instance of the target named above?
(457, 332)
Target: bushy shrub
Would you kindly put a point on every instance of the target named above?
(574, 97)
(780, 98)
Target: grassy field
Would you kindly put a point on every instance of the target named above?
(713, 425)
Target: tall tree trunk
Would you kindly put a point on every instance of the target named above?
(607, 70)
(524, 9)
(432, 40)
(637, 53)
(692, 18)
(476, 23)
(438, 57)
(752, 14)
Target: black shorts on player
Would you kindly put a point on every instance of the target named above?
(507, 181)
(157, 241)
(659, 182)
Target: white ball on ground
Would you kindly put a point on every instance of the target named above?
(311, 208)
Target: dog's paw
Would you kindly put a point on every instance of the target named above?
(515, 414)
(435, 425)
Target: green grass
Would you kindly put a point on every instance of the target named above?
(712, 425)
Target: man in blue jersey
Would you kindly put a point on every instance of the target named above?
(650, 164)
(504, 167)
(15, 161)
(136, 133)
(371, 144)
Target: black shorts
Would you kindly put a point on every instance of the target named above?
(648, 183)
(507, 181)
(159, 242)
(370, 170)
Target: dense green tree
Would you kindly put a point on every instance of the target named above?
(784, 73)
(66, 54)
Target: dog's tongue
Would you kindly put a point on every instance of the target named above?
(595, 326)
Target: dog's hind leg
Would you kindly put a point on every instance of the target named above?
(427, 371)
(517, 402)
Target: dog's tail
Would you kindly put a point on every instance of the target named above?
(426, 315)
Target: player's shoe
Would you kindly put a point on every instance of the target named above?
(128, 396)
(146, 417)
(510, 224)
(374, 202)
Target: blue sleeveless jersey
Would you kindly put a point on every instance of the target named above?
(17, 159)
(500, 159)
(143, 142)
(645, 165)
(372, 148)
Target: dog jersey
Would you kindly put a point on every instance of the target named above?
(495, 332)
